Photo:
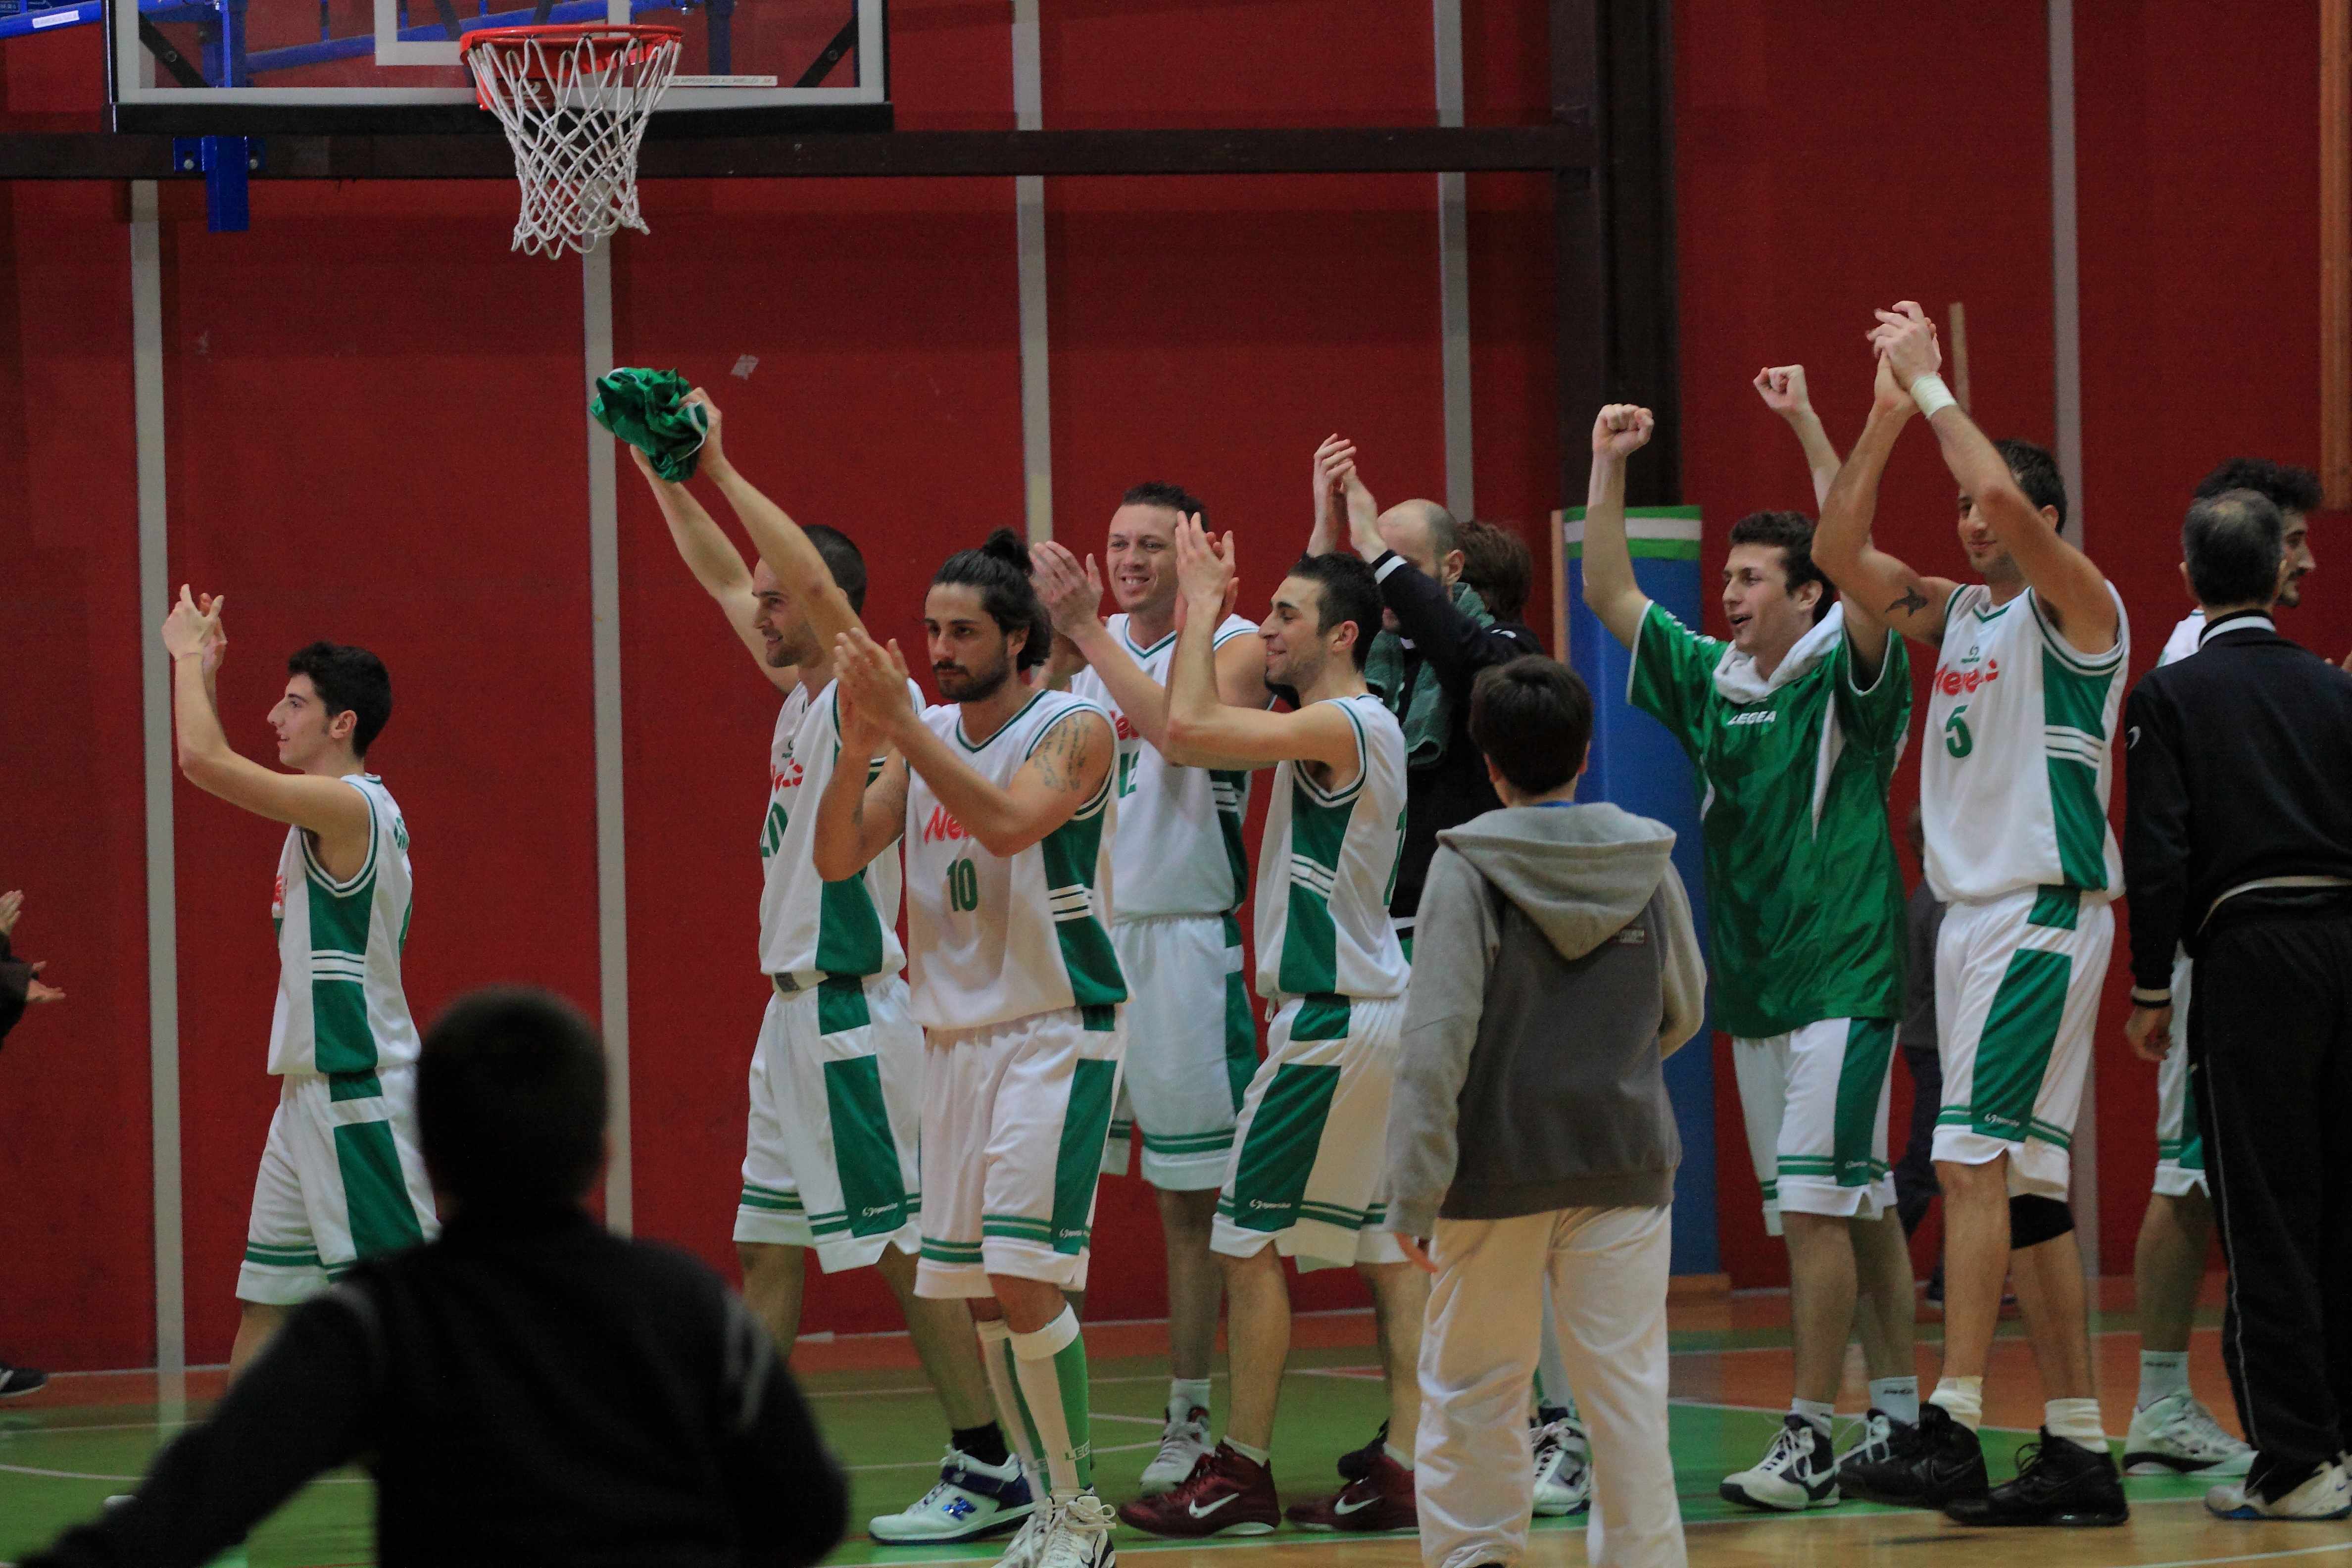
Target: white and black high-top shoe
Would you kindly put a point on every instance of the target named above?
(1795, 1474)
(968, 1502)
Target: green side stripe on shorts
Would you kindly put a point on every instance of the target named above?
(1323, 1016)
(2056, 909)
(2014, 1052)
(349, 1086)
(1269, 1183)
(865, 1154)
(1861, 1085)
(375, 1195)
(841, 1003)
(1241, 1026)
(1188, 1143)
(951, 1252)
(1077, 1165)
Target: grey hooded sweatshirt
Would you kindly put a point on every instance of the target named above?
(1556, 967)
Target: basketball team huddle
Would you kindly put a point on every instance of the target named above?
(1064, 833)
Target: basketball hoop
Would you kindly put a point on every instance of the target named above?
(574, 102)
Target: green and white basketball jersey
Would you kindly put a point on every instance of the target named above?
(1805, 903)
(1326, 867)
(340, 1008)
(1178, 848)
(806, 922)
(992, 938)
(2019, 758)
(2184, 640)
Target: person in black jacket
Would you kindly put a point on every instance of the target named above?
(20, 986)
(527, 1388)
(2238, 846)
(1437, 634)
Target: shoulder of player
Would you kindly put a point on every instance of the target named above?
(1660, 621)
(1050, 710)
(1233, 627)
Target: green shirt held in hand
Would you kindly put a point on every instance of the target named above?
(644, 408)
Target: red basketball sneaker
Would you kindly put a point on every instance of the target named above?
(1383, 1500)
(1226, 1494)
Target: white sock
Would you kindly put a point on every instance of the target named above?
(1817, 1412)
(1398, 1457)
(1012, 1411)
(1041, 1388)
(1897, 1396)
(2162, 1372)
(1186, 1395)
(2077, 1421)
(1962, 1399)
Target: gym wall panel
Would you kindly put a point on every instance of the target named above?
(2198, 153)
(375, 432)
(1825, 165)
(886, 402)
(74, 1159)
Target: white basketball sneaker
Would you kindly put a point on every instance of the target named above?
(969, 1500)
(1183, 1444)
(1025, 1547)
(2177, 1435)
(1080, 1535)
(1795, 1474)
(2327, 1495)
(1563, 1459)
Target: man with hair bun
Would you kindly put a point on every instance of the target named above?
(1520, 1157)
(340, 1177)
(1793, 727)
(1004, 795)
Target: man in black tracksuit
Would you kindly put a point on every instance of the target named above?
(2238, 844)
(527, 1388)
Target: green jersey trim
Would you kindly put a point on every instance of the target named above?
(320, 874)
(1317, 793)
(2054, 643)
(971, 745)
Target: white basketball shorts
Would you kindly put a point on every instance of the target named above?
(342, 1179)
(1192, 1048)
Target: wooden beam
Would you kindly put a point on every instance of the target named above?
(2335, 252)
(851, 154)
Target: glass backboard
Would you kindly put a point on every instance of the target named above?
(289, 66)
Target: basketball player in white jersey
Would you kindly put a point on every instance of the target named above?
(1177, 863)
(2171, 1430)
(342, 1177)
(1003, 796)
(1303, 1178)
(836, 1075)
(2013, 791)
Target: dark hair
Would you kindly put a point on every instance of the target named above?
(1498, 565)
(2285, 487)
(2234, 543)
(2036, 473)
(511, 1100)
(1176, 498)
(1791, 534)
(1533, 717)
(1000, 570)
(842, 559)
(349, 681)
(1350, 592)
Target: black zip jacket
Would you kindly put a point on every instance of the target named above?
(2239, 768)
(1450, 646)
(526, 1391)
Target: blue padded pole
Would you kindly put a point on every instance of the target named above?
(1638, 765)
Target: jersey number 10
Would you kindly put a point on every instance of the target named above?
(963, 886)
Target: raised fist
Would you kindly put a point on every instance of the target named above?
(1622, 429)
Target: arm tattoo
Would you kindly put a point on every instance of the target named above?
(1063, 755)
(1910, 603)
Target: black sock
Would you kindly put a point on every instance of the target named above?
(986, 1443)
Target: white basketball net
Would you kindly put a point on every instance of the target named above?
(574, 102)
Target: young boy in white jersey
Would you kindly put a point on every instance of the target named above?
(342, 1175)
(2013, 791)
(836, 1080)
(1793, 727)
(1304, 1180)
(1004, 795)
(1177, 864)
(2171, 1429)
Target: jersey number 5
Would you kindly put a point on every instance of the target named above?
(963, 886)
(1956, 738)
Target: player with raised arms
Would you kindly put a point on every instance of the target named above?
(1794, 726)
(836, 1080)
(1304, 1177)
(1004, 796)
(342, 1177)
(2014, 794)
(1177, 864)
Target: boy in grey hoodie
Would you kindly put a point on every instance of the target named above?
(1530, 1136)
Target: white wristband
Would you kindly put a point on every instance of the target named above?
(1932, 395)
